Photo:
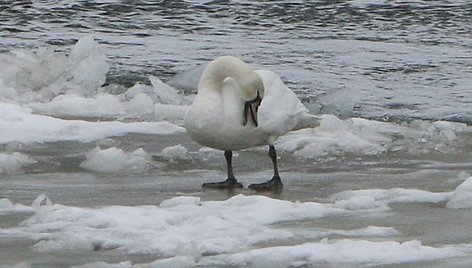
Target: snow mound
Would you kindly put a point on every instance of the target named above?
(19, 124)
(378, 199)
(356, 136)
(462, 196)
(175, 228)
(101, 105)
(114, 159)
(14, 161)
(186, 231)
(342, 251)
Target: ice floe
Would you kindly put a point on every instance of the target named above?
(176, 152)
(19, 124)
(378, 199)
(114, 159)
(238, 231)
(341, 251)
(357, 136)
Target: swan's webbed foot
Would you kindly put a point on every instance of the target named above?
(230, 183)
(275, 184)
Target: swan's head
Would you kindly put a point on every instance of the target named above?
(228, 66)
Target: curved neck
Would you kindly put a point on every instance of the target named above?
(227, 66)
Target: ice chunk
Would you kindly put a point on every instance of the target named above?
(5, 203)
(141, 104)
(462, 196)
(114, 159)
(188, 80)
(41, 200)
(177, 152)
(14, 161)
(166, 93)
(44, 73)
(88, 64)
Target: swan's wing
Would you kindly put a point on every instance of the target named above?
(280, 110)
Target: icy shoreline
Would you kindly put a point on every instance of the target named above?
(238, 231)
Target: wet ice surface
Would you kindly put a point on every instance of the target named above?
(95, 175)
(340, 213)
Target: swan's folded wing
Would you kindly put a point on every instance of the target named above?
(280, 110)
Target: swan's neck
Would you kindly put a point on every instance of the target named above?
(233, 102)
(223, 67)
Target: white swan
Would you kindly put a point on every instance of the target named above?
(237, 107)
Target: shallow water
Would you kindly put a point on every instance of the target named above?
(405, 64)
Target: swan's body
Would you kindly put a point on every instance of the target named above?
(237, 107)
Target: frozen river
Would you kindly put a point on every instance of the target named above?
(96, 169)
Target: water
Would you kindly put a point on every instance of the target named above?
(402, 65)
(399, 59)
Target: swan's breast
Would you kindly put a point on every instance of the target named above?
(207, 125)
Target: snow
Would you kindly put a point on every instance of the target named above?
(462, 196)
(342, 251)
(19, 124)
(378, 199)
(357, 136)
(41, 200)
(101, 105)
(180, 226)
(240, 231)
(114, 159)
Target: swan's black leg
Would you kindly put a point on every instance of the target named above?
(275, 184)
(231, 182)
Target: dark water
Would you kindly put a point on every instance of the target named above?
(394, 60)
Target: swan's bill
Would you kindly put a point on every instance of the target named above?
(250, 109)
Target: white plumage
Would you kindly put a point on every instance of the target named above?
(237, 107)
